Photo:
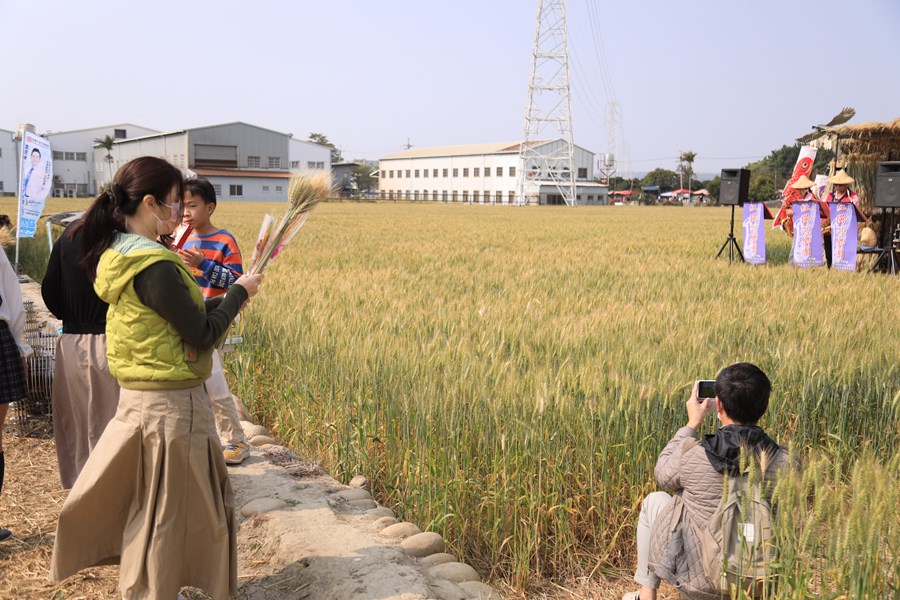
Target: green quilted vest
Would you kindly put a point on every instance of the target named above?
(143, 350)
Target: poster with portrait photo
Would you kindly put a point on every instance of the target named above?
(35, 180)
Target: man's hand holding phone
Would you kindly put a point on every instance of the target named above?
(701, 402)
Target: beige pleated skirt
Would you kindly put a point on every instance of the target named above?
(85, 396)
(155, 497)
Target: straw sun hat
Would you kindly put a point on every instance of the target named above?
(803, 183)
(841, 178)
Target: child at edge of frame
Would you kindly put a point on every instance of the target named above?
(214, 259)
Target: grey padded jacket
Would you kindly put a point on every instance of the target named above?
(684, 470)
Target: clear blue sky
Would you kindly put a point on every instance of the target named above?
(728, 80)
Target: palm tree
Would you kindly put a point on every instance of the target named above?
(687, 158)
(106, 143)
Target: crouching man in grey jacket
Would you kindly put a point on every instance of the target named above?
(693, 473)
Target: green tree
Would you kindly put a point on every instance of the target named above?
(687, 165)
(713, 186)
(664, 178)
(322, 140)
(362, 176)
(107, 143)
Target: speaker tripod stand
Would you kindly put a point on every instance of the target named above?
(888, 254)
(731, 243)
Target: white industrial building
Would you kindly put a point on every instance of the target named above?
(7, 163)
(308, 156)
(242, 161)
(75, 170)
(482, 174)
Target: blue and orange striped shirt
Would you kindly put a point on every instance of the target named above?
(221, 265)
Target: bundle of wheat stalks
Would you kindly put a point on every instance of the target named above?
(305, 191)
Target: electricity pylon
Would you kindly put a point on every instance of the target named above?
(548, 112)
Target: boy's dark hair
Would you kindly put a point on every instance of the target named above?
(743, 389)
(200, 186)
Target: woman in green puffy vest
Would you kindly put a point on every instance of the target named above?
(154, 496)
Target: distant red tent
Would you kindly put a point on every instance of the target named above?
(622, 193)
(681, 191)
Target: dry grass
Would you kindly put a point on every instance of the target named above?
(30, 507)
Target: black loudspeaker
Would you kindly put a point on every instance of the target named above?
(735, 186)
(887, 185)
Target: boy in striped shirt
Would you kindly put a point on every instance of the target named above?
(213, 256)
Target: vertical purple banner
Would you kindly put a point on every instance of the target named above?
(843, 235)
(754, 234)
(807, 250)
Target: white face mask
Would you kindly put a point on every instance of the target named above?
(169, 225)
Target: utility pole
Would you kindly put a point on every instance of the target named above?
(548, 105)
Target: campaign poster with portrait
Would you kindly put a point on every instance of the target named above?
(754, 233)
(35, 180)
(843, 235)
(807, 250)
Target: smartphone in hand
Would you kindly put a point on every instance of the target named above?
(706, 389)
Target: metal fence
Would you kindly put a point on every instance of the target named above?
(36, 409)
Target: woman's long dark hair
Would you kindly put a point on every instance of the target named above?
(134, 180)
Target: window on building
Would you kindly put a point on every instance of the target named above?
(407, 176)
(120, 134)
(295, 164)
(465, 196)
(417, 173)
(425, 173)
(391, 195)
(274, 162)
(434, 173)
(416, 195)
(456, 172)
(57, 155)
(320, 165)
(399, 174)
(444, 196)
(498, 196)
(218, 188)
(487, 171)
(253, 162)
(445, 172)
(475, 197)
(1, 186)
(279, 188)
(590, 197)
(455, 195)
(235, 191)
(434, 195)
(406, 195)
(465, 172)
(82, 156)
(511, 197)
(499, 171)
(476, 172)
(265, 188)
(582, 172)
(70, 156)
(390, 174)
(512, 171)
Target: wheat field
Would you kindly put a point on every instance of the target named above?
(507, 377)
